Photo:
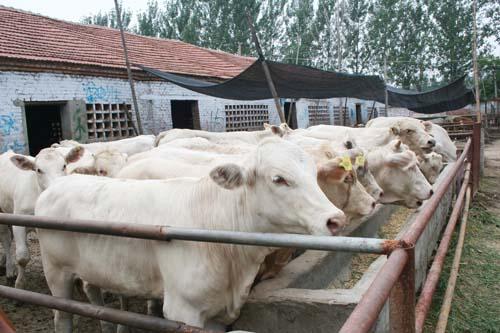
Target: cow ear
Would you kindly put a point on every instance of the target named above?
(395, 130)
(74, 154)
(228, 176)
(428, 125)
(267, 126)
(85, 170)
(400, 159)
(331, 171)
(22, 162)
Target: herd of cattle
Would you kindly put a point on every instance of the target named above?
(309, 181)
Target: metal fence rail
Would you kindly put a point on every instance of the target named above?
(394, 282)
(166, 233)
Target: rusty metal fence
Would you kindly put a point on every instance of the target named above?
(395, 282)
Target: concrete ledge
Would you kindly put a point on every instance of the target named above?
(297, 301)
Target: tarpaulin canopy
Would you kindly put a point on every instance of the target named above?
(293, 81)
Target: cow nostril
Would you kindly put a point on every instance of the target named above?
(419, 203)
(333, 226)
(373, 204)
(432, 192)
(381, 194)
(432, 142)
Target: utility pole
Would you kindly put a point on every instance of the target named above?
(129, 71)
(267, 73)
(474, 60)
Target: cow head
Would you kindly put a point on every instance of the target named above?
(413, 133)
(279, 183)
(395, 168)
(109, 162)
(431, 165)
(365, 176)
(48, 165)
(338, 179)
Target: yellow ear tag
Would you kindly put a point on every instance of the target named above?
(360, 160)
(346, 163)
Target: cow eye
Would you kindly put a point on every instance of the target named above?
(278, 180)
(64, 167)
(409, 131)
(38, 170)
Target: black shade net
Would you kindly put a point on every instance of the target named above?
(293, 81)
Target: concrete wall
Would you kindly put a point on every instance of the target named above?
(297, 299)
(153, 97)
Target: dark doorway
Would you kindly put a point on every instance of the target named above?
(43, 124)
(291, 119)
(185, 114)
(359, 119)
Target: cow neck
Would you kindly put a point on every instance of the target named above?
(239, 263)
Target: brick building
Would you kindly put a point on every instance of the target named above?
(62, 80)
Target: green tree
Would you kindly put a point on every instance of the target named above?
(300, 36)
(147, 21)
(109, 19)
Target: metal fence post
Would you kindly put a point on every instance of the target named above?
(402, 299)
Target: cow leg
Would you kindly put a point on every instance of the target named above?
(6, 240)
(22, 254)
(61, 285)
(123, 307)
(176, 308)
(94, 295)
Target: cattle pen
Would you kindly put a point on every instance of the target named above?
(394, 283)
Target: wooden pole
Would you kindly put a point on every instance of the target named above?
(267, 73)
(474, 60)
(129, 71)
(386, 93)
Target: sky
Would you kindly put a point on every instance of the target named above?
(74, 10)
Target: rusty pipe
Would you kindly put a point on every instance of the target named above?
(425, 299)
(450, 289)
(131, 319)
(366, 312)
(428, 209)
(5, 324)
(165, 233)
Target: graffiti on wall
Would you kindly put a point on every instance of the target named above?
(16, 145)
(8, 124)
(79, 130)
(216, 122)
(94, 93)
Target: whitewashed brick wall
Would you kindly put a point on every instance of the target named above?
(153, 97)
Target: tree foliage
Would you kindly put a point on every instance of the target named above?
(423, 41)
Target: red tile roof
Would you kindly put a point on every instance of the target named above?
(33, 37)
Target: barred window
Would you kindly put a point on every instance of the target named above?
(246, 117)
(108, 121)
(318, 114)
(341, 116)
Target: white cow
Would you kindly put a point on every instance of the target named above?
(414, 136)
(331, 149)
(395, 168)
(444, 145)
(129, 146)
(275, 191)
(105, 163)
(253, 137)
(431, 165)
(22, 179)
